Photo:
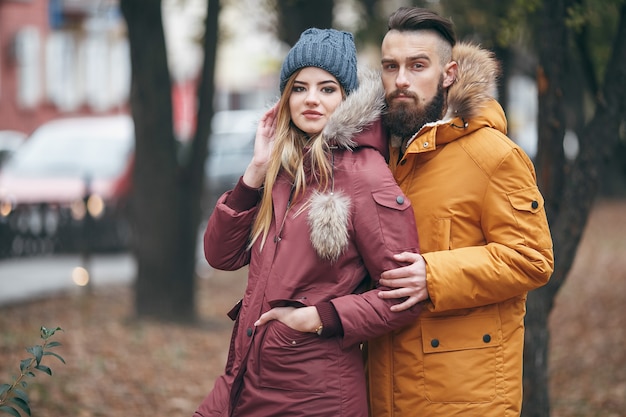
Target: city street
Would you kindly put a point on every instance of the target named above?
(33, 277)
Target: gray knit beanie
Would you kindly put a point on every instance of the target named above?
(328, 49)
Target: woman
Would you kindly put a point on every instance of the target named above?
(330, 216)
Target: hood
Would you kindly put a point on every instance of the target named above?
(356, 113)
(476, 82)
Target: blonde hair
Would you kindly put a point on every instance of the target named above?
(288, 156)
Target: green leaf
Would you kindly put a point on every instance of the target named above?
(24, 364)
(9, 410)
(36, 351)
(21, 404)
(55, 355)
(53, 344)
(46, 333)
(21, 394)
(44, 368)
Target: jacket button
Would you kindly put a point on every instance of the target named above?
(434, 343)
(400, 199)
(249, 332)
(486, 338)
(425, 145)
(534, 204)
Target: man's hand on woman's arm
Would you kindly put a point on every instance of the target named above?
(408, 281)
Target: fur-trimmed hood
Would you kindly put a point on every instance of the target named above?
(476, 81)
(359, 110)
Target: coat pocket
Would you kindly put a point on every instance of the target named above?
(462, 358)
(395, 218)
(529, 212)
(293, 361)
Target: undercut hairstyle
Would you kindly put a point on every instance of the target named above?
(410, 19)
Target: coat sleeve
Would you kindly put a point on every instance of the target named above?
(227, 235)
(517, 256)
(383, 226)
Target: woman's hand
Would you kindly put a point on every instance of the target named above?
(304, 319)
(263, 144)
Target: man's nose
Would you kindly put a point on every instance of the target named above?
(402, 81)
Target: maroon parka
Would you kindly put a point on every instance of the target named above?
(274, 370)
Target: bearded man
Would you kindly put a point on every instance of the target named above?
(483, 232)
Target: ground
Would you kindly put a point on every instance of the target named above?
(119, 366)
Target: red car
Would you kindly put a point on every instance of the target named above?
(67, 187)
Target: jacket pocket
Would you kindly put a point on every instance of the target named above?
(390, 205)
(527, 205)
(291, 360)
(462, 358)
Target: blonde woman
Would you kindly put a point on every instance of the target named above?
(317, 216)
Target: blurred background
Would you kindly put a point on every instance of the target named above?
(123, 121)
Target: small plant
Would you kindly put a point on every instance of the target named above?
(12, 396)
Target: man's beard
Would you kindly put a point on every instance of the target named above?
(405, 119)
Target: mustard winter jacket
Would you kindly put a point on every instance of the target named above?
(485, 239)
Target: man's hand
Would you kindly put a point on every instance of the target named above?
(408, 281)
(304, 319)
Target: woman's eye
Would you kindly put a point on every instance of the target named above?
(328, 90)
(297, 89)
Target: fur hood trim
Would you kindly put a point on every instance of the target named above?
(358, 110)
(476, 82)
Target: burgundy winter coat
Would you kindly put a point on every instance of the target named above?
(274, 370)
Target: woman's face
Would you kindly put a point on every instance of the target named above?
(314, 97)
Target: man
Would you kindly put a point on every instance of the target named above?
(482, 228)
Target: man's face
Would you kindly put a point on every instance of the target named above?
(414, 80)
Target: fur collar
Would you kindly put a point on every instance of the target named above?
(359, 109)
(476, 82)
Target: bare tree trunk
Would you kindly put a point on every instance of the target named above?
(568, 209)
(166, 193)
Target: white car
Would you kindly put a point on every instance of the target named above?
(66, 187)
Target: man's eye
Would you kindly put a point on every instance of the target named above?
(389, 67)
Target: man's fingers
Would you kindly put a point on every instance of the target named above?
(405, 305)
(398, 293)
(406, 257)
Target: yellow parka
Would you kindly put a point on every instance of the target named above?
(485, 239)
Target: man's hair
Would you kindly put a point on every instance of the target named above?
(415, 18)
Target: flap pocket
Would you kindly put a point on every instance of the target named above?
(527, 199)
(391, 197)
(460, 333)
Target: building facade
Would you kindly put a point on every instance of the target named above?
(61, 58)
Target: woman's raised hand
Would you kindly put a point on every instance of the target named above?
(263, 144)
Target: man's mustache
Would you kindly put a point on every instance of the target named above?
(405, 93)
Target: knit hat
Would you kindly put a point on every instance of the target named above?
(328, 49)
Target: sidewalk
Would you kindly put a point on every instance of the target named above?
(27, 278)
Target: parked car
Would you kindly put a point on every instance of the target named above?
(231, 146)
(66, 188)
(10, 140)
